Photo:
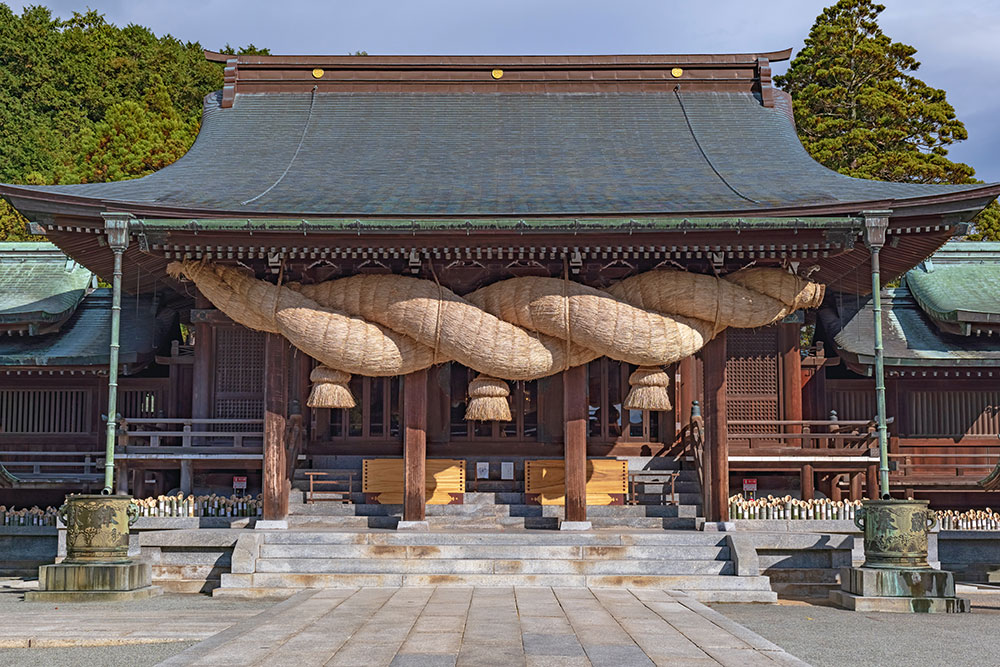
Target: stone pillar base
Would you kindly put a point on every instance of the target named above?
(82, 582)
(414, 526)
(575, 525)
(898, 590)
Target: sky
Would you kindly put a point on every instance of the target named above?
(956, 41)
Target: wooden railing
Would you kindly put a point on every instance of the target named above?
(59, 466)
(182, 438)
(961, 464)
(791, 437)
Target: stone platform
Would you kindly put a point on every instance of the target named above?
(83, 582)
(898, 590)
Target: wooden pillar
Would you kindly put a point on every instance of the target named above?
(856, 478)
(835, 493)
(201, 380)
(187, 476)
(415, 446)
(687, 390)
(717, 429)
(808, 477)
(791, 372)
(871, 482)
(276, 484)
(575, 441)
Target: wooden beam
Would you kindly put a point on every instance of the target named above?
(575, 441)
(717, 428)
(415, 446)
(276, 484)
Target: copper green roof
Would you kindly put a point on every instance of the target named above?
(39, 287)
(959, 287)
(910, 337)
(84, 339)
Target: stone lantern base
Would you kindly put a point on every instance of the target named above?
(898, 590)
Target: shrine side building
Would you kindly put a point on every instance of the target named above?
(460, 173)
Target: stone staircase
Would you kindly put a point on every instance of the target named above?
(495, 504)
(277, 563)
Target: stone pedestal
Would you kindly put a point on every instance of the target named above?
(904, 590)
(87, 582)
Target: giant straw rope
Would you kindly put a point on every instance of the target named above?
(517, 329)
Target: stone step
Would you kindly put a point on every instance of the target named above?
(478, 508)
(497, 551)
(428, 566)
(688, 583)
(588, 538)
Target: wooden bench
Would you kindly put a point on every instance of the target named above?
(643, 477)
(329, 495)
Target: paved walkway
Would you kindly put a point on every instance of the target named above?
(455, 627)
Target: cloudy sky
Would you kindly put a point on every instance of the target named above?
(956, 40)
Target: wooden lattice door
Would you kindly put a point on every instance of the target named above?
(239, 373)
(752, 377)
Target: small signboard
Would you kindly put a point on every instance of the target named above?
(239, 483)
(507, 470)
(482, 470)
(749, 483)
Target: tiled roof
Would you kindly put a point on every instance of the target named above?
(910, 337)
(425, 154)
(85, 338)
(39, 287)
(960, 287)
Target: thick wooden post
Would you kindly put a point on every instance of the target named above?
(687, 390)
(415, 446)
(717, 429)
(856, 478)
(275, 473)
(187, 476)
(807, 476)
(575, 441)
(871, 482)
(201, 379)
(791, 372)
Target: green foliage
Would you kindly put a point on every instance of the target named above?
(858, 108)
(986, 226)
(84, 101)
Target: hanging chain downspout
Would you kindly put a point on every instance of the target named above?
(876, 223)
(116, 227)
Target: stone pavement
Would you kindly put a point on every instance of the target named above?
(455, 627)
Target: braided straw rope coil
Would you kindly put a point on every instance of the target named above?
(516, 329)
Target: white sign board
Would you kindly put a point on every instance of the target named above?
(239, 483)
(482, 470)
(507, 470)
(749, 483)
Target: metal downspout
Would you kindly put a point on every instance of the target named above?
(116, 227)
(876, 223)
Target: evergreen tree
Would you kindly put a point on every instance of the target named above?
(860, 111)
(84, 101)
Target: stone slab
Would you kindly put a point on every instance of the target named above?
(93, 596)
(271, 524)
(900, 605)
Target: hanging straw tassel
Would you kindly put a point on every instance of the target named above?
(649, 390)
(488, 400)
(330, 389)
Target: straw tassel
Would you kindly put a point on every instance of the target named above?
(488, 400)
(650, 390)
(330, 389)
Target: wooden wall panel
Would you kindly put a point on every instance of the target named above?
(384, 479)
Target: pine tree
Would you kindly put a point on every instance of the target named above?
(860, 111)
